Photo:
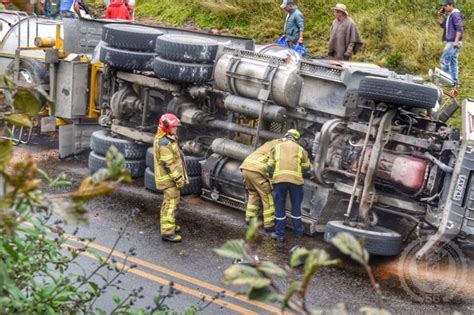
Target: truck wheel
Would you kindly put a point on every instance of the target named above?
(194, 186)
(135, 167)
(101, 140)
(150, 163)
(31, 71)
(187, 48)
(193, 167)
(126, 59)
(378, 240)
(182, 72)
(398, 92)
(149, 180)
(132, 37)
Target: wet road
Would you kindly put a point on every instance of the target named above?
(197, 272)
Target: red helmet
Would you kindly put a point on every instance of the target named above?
(168, 121)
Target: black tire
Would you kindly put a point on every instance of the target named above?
(187, 48)
(101, 140)
(150, 163)
(34, 69)
(193, 167)
(126, 59)
(149, 180)
(193, 188)
(134, 37)
(379, 240)
(398, 92)
(182, 72)
(135, 167)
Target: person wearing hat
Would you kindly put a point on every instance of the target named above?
(345, 39)
(294, 23)
(290, 160)
(170, 174)
(453, 30)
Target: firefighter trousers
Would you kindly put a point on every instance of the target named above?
(260, 192)
(167, 214)
(280, 191)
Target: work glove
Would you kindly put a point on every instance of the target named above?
(180, 182)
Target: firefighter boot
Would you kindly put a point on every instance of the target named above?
(172, 238)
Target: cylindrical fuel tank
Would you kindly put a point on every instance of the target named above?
(243, 76)
(252, 108)
(231, 148)
(223, 175)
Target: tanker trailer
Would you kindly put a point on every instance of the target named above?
(376, 149)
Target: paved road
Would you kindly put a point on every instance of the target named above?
(197, 272)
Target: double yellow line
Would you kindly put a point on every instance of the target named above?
(177, 275)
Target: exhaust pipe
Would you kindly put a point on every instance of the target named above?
(232, 149)
(252, 108)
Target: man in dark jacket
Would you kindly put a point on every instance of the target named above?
(294, 23)
(452, 25)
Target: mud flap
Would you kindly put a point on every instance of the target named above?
(75, 138)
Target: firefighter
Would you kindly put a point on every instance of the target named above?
(170, 174)
(290, 161)
(256, 179)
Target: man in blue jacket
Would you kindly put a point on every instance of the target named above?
(294, 23)
(452, 25)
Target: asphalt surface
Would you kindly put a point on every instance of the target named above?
(197, 272)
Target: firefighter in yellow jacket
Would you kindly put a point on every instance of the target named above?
(170, 174)
(290, 161)
(257, 182)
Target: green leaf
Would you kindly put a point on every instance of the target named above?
(298, 257)
(367, 310)
(294, 287)
(10, 251)
(64, 296)
(271, 269)
(6, 153)
(25, 100)
(44, 175)
(116, 299)
(51, 103)
(245, 275)
(252, 229)
(21, 120)
(264, 294)
(350, 246)
(7, 83)
(232, 249)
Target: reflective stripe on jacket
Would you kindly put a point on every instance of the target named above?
(260, 159)
(291, 160)
(169, 165)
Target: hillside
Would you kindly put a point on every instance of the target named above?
(399, 34)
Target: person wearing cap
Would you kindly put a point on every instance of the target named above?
(170, 174)
(345, 40)
(290, 160)
(294, 23)
(453, 30)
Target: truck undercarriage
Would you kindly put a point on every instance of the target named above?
(380, 146)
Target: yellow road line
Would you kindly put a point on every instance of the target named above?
(182, 288)
(180, 276)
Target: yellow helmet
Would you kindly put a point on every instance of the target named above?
(293, 133)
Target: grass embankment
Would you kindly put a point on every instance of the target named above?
(399, 34)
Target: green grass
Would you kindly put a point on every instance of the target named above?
(399, 34)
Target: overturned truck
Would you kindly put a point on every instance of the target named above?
(380, 146)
